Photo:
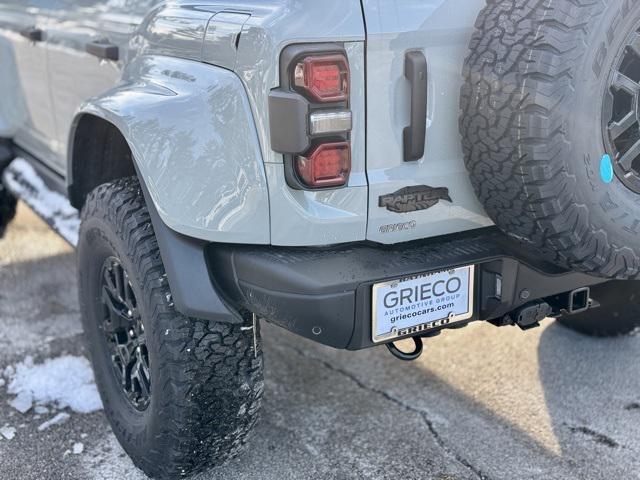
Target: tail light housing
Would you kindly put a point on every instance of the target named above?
(309, 116)
(323, 78)
(327, 165)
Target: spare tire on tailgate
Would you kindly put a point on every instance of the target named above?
(550, 128)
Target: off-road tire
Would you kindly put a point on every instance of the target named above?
(206, 377)
(531, 125)
(618, 313)
(8, 204)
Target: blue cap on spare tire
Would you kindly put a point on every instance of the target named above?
(606, 169)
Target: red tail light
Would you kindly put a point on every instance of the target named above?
(328, 165)
(325, 78)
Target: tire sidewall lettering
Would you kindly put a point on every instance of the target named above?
(605, 45)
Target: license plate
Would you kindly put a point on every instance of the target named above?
(421, 303)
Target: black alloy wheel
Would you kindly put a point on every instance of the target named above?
(621, 113)
(124, 334)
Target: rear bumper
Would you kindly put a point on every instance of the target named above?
(324, 294)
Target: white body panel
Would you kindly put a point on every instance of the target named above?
(190, 129)
(196, 76)
(441, 30)
(25, 62)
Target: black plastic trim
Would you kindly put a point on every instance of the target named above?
(192, 289)
(324, 293)
(414, 136)
(288, 117)
(6, 153)
(103, 49)
(33, 34)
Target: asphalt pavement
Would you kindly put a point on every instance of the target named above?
(482, 403)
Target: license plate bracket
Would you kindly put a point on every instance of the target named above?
(421, 302)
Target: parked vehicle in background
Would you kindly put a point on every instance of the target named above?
(358, 172)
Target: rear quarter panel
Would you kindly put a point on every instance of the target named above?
(304, 217)
(190, 127)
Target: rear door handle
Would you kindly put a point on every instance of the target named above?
(415, 69)
(32, 33)
(103, 49)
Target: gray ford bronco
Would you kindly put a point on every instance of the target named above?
(358, 172)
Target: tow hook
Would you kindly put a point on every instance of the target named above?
(407, 357)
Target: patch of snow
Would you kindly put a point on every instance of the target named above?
(21, 178)
(78, 448)
(8, 432)
(57, 420)
(9, 371)
(65, 381)
(2, 382)
(40, 410)
(22, 403)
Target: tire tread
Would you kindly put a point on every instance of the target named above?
(518, 75)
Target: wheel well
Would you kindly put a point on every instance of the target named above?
(99, 154)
